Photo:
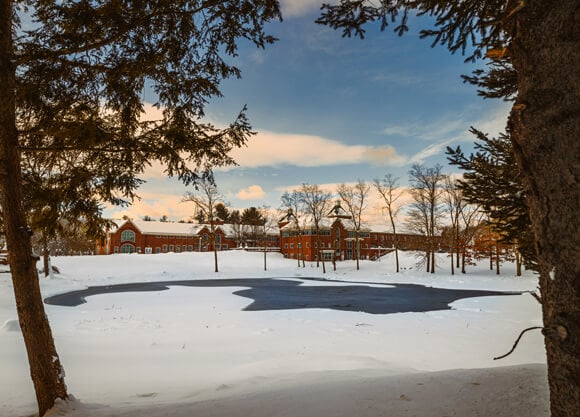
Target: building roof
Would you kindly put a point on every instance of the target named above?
(179, 229)
(164, 228)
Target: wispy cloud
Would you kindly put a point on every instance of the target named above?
(450, 129)
(396, 78)
(273, 149)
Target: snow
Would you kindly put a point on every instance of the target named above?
(192, 351)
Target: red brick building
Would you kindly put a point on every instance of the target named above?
(139, 236)
(338, 239)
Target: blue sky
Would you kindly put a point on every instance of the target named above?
(332, 110)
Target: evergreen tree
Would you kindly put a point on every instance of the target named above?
(72, 83)
(538, 41)
(222, 212)
(493, 181)
(236, 221)
(252, 220)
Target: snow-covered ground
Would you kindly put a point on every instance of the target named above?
(193, 351)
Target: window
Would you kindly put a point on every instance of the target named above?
(327, 256)
(285, 245)
(291, 245)
(190, 248)
(307, 244)
(184, 248)
(157, 250)
(171, 248)
(224, 246)
(116, 249)
(127, 248)
(128, 236)
(164, 248)
(177, 247)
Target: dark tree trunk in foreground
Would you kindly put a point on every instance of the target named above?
(546, 135)
(45, 368)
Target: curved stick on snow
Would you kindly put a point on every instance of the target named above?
(517, 341)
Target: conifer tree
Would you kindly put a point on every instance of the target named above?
(492, 180)
(73, 80)
(538, 44)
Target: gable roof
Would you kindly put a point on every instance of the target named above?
(174, 229)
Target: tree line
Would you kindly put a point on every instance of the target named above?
(470, 217)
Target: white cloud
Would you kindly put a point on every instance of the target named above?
(154, 205)
(253, 192)
(296, 8)
(272, 149)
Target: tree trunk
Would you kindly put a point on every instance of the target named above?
(463, 256)
(452, 263)
(397, 257)
(545, 123)
(45, 256)
(518, 264)
(433, 260)
(265, 265)
(497, 260)
(357, 243)
(45, 368)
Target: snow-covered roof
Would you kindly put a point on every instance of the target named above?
(174, 229)
(165, 228)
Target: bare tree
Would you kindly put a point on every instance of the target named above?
(426, 191)
(355, 200)
(292, 203)
(471, 216)
(206, 199)
(268, 225)
(388, 189)
(316, 204)
(454, 203)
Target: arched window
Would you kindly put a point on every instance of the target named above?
(127, 248)
(128, 236)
